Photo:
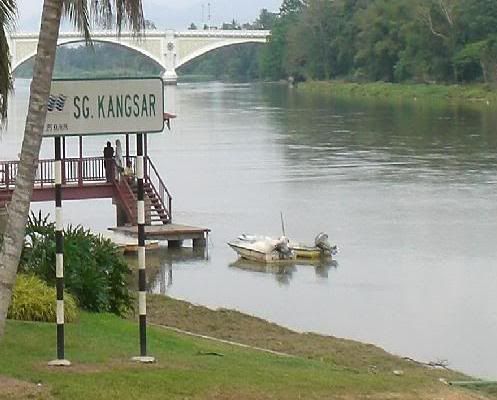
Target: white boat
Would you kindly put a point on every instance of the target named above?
(321, 248)
(262, 249)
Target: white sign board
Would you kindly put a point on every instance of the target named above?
(105, 106)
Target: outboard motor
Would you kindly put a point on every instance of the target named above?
(321, 241)
(283, 248)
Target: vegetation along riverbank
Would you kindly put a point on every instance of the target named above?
(460, 94)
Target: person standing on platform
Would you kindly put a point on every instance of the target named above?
(119, 157)
(109, 162)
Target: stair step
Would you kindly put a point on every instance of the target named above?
(160, 216)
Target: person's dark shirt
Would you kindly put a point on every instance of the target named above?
(108, 152)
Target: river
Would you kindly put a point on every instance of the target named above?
(407, 192)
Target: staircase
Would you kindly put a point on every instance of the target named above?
(155, 209)
(158, 201)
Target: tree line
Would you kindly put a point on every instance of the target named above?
(443, 41)
(425, 41)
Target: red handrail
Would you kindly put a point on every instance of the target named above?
(126, 194)
(161, 191)
(156, 183)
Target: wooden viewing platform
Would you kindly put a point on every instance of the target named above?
(175, 234)
(86, 178)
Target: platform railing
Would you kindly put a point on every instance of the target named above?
(74, 171)
(81, 171)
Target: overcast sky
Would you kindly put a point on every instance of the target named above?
(168, 14)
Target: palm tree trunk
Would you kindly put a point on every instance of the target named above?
(33, 133)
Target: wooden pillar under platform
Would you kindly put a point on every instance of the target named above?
(121, 216)
(174, 244)
(3, 219)
(200, 242)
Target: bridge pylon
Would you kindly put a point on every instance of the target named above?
(170, 77)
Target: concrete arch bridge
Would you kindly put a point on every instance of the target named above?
(169, 49)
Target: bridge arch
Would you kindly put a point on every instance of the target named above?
(211, 47)
(68, 41)
(169, 49)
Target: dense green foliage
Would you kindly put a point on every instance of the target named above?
(94, 271)
(34, 300)
(382, 40)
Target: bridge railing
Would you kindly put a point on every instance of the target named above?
(75, 171)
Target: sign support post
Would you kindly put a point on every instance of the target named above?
(59, 258)
(83, 107)
(142, 284)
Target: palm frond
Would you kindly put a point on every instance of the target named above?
(77, 12)
(127, 13)
(8, 9)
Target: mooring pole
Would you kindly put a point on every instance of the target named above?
(142, 289)
(80, 162)
(59, 257)
(127, 149)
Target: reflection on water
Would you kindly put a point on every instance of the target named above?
(160, 265)
(163, 280)
(283, 271)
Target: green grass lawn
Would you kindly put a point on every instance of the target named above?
(101, 346)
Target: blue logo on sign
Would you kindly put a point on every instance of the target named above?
(56, 102)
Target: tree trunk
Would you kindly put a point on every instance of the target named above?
(33, 133)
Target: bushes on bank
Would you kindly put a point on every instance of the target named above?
(94, 270)
(34, 300)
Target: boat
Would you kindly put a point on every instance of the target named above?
(262, 249)
(320, 250)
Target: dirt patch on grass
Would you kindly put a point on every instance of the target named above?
(238, 327)
(343, 354)
(445, 394)
(15, 389)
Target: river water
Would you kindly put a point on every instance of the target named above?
(407, 192)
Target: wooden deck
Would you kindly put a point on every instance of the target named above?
(88, 178)
(175, 234)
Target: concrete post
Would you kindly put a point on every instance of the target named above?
(59, 258)
(142, 285)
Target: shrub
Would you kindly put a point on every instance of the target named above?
(34, 300)
(94, 270)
